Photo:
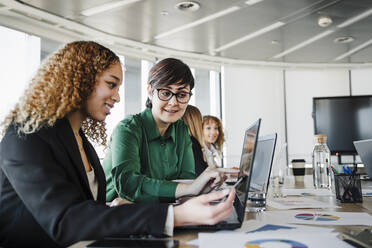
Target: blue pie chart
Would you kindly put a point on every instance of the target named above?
(260, 243)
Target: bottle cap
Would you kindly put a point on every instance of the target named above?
(321, 138)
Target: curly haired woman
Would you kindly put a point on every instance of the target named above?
(52, 185)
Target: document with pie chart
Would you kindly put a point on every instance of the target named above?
(271, 239)
(319, 217)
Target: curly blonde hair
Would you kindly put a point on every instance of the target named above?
(221, 136)
(61, 86)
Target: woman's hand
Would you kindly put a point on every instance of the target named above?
(207, 181)
(200, 211)
(118, 202)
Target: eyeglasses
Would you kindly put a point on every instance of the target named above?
(166, 95)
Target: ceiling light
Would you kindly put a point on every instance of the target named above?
(304, 43)
(106, 7)
(344, 39)
(324, 21)
(198, 22)
(164, 13)
(274, 42)
(354, 50)
(188, 6)
(250, 36)
(321, 35)
(355, 19)
(251, 2)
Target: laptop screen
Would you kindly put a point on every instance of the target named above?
(246, 160)
(262, 163)
(364, 148)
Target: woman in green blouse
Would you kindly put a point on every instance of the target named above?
(150, 149)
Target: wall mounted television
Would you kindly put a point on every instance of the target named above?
(343, 119)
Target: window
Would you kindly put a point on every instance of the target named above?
(20, 58)
(215, 93)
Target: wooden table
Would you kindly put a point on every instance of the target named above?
(184, 236)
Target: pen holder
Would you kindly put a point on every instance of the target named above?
(348, 188)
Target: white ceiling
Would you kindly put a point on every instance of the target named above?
(270, 31)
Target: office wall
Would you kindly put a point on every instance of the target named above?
(249, 94)
(301, 87)
(361, 82)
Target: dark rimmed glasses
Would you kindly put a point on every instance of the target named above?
(166, 95)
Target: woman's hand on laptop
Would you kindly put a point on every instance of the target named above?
(200, 211)
(216, 182)
(210, 179)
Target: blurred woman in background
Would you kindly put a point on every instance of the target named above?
(213, 140)
(193, 119)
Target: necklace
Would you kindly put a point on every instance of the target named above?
(76, 133)
(84, 158)
(79, 141)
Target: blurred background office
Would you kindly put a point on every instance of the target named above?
(250, 59)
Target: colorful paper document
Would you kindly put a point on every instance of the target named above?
(270, 239)
(328, 218)
(298, 203)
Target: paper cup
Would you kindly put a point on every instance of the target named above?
(298, 169)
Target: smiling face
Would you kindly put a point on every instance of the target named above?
(210, 132)
(105, 93)
(167, 112)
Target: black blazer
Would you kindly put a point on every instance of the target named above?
(45, 199)
(200, 164)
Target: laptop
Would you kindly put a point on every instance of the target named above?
(364, 149)
(236, 219)
(262, 164)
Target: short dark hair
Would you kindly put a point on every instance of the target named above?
(169, 71)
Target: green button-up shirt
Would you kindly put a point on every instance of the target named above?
(140, 163)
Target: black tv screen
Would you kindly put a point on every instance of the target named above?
(343, 119)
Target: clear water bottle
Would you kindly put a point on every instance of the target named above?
(321, 163)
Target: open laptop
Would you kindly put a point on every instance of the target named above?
(262, 164)
(364, 149)
(235, 220)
